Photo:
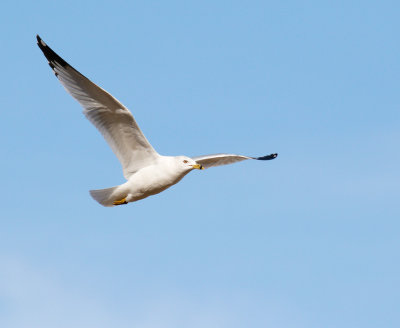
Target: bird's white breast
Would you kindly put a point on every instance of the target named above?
(152, 180)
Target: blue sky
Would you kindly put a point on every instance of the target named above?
(310, 239)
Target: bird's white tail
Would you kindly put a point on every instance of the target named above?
(105, 197)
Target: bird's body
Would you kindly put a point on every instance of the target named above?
(148, 181)
(147, 172)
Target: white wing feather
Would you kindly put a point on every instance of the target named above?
(115, 122)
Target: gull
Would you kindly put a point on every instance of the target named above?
(147, 172)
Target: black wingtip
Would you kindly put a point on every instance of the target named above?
(51, 56)
(42, 45)
(268, 157)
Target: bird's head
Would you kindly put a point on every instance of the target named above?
(188, 164)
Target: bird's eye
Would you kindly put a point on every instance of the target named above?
(185, 161)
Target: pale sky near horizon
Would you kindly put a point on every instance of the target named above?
(310, 239)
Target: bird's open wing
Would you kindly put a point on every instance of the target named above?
(224, 159)
(109, 116)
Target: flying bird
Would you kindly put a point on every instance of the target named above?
(147, 172)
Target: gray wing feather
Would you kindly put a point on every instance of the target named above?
(115, 122)
(224, 159)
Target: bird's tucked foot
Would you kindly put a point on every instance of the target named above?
(120, 202)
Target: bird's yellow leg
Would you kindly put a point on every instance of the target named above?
(120, 202)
